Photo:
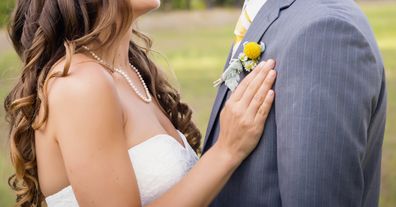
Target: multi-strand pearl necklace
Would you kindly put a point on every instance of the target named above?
(148, 97)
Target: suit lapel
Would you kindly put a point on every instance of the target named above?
(218, 101)
(268, 14)
(263, 20)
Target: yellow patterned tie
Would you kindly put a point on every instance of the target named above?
(241, 27)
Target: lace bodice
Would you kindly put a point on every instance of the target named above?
(159, 163)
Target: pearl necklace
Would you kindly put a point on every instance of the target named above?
(148, 98)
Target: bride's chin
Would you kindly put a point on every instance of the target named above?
(157, 3)
(145, 6)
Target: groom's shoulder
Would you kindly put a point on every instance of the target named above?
(347, 12)
(342, 8)
(323, 18)
(338, 24)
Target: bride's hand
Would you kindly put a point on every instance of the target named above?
(244, 114)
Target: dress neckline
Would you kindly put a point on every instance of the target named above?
(168, 136)
(158, 136)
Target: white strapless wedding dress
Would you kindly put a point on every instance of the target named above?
(159, 163)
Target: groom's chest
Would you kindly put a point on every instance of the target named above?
(276, 37)
(280, 33)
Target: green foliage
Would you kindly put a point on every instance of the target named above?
(182, 4)
(5, 193)
(212, 3)
(9, 66)
(198, 4)
(175, 4)
(6, 7)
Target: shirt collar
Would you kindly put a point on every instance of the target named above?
(253, 7)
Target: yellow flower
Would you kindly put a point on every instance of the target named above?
(252, 50)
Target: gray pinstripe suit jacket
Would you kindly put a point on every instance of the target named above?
(323, 138)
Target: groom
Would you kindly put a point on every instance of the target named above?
(323, 138)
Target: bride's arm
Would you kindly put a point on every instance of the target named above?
(241, 123)
(89, 128)
(88, 120)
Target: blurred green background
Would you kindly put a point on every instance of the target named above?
(192, 47)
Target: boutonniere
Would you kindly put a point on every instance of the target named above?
(247, 60)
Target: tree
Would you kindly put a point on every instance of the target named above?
(214, 3)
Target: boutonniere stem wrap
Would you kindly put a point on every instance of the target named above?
(247, 60)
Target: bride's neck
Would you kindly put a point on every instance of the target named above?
(121, 58)
(118, 54)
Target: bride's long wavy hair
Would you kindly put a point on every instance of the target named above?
(46, 31)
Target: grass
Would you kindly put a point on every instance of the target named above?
(9, 64)
(383, 19)
(5, 8)
(196, 48)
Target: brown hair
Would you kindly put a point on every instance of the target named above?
(45, 31)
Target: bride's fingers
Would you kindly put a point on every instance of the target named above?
(236, 96)
(261, 93)
(265, 107)
(256, 83)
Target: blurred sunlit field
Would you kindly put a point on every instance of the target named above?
(194, 45)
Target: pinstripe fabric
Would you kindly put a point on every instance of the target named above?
(323, 138)
(255, 33)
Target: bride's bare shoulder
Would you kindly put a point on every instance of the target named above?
(87, 84)
(83, 71)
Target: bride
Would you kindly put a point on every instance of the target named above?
(95, 123)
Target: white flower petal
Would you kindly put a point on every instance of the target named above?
(262, 46)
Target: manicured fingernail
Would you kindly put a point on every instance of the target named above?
(261, 65)
(271, 63)
(272, 73)
(271, 93)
